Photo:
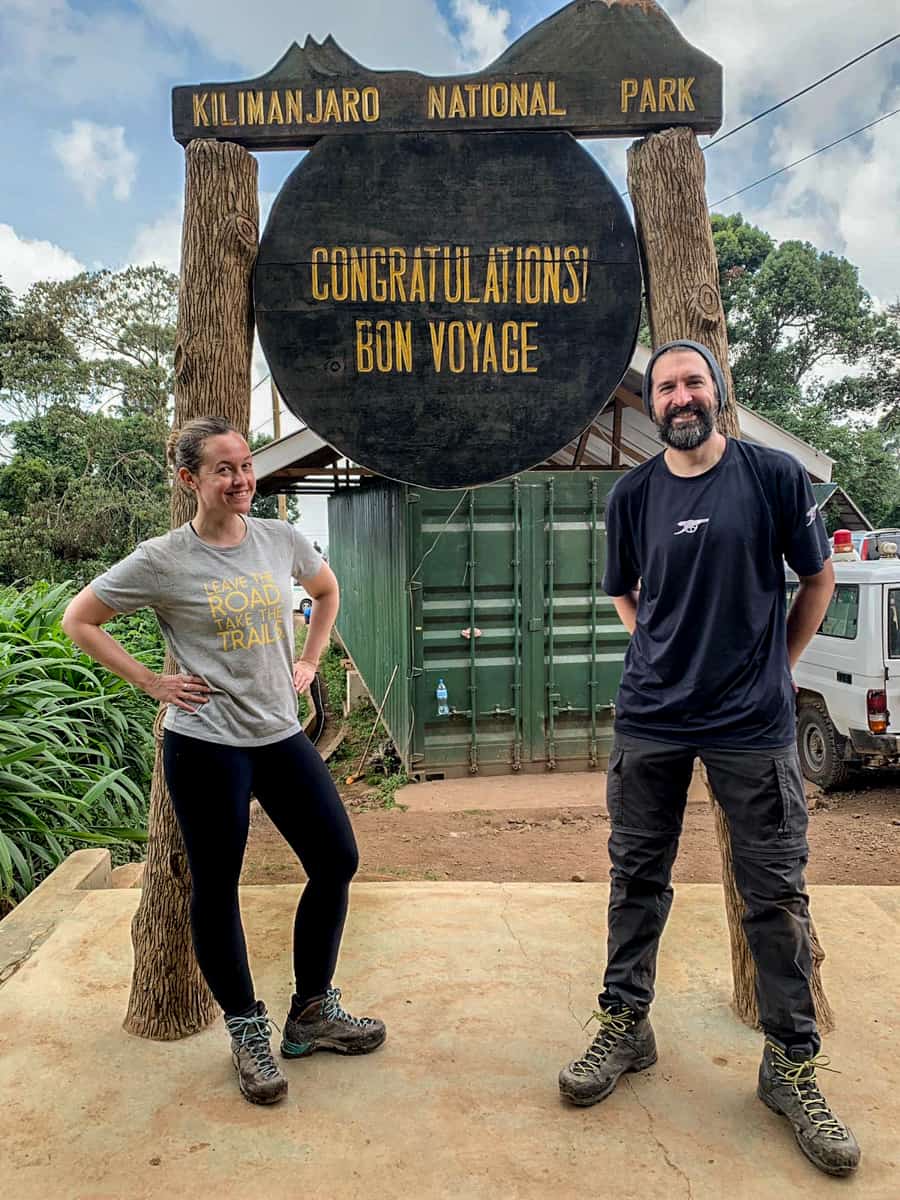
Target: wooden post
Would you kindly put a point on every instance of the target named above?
(169, 997)
(276, 430)
(667, 182)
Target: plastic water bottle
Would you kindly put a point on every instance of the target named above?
(443, 708)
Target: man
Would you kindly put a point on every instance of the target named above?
(696, 539)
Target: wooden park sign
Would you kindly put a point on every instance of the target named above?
(448, 309)
(448, 288)
(596, 68)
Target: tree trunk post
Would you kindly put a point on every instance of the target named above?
(667, 182)
(169, 997)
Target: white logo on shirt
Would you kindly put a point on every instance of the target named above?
(811, 515)
(690, 526)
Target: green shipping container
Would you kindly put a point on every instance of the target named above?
(496, 592)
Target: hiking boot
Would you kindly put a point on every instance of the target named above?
(624, 1042)
(260, 1079)
(323, 1025)
(787, 1085)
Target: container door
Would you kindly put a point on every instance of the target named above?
(584, 640)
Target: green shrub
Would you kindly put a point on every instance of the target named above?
(76, 743)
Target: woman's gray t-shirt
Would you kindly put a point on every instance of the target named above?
(226, 614)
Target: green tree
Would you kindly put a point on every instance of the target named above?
(122, 325)
(79, 492)
(793, 310)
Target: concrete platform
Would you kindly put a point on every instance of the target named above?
(485, 988)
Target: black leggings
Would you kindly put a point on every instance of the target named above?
(211, 786)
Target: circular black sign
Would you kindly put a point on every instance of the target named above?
(448, 309)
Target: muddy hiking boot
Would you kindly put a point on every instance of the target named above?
(624, 1042)
(787, 1085)
(260, 1079)
(323, 1025)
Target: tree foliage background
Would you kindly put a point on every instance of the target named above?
(811, 352)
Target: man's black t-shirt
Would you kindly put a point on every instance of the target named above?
(707, 665)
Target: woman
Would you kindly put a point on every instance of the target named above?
(221, 588)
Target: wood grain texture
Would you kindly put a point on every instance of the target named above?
(617, 68)
(169, 997)
(666, 179)
(518, 234)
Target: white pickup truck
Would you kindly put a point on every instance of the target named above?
(848, 679)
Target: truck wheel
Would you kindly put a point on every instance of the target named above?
(821, 747)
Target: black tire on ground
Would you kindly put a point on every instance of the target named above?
(821, 747)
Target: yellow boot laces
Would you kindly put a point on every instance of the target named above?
(802, 1078)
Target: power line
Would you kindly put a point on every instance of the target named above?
(796, 95)
(806, 158)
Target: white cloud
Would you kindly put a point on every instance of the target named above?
(483, 31)
(408, 34)
(94, 155)
(846, 200)
(159, 242)
(61, 52)
(24, 261)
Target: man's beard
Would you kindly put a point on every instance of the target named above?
(690, 436)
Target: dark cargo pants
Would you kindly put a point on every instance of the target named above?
(763, 799)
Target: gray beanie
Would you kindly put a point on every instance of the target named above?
(704, 352)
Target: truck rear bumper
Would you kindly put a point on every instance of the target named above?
(881, 745)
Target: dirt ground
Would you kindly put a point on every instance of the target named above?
(854, 838)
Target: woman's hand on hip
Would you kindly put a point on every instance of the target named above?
(184, 691)
(304, 674)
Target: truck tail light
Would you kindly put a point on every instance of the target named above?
(876, 705)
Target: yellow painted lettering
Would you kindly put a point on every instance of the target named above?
(551, 272)
(453, 295)
(571, 255)
(216, 606)
(551, 96)
(489, 361)
(456, 347)
(275, 115)
(648, 96)
(491, 279)
(293, 101)
(474, 329)
(437, 103)
(403, 346)
(509, 349)
(214, 107)
(472, 89)
(533, 256)
(397, 256)
(417, 281)
(359, 274)
(255, 115)
(518, 99)
(340, 276)
(538, 107)
(437, 331)
(371, 104)
(629, 91)
(315, 118)
(350, 98)
(224, 118)
(319, 289)
(201, 117)
(377, 260)
(499, 99)
(528, 348)
(685, 99)
(365, 357)
(667, 95)
(332, 108)
(457, 106)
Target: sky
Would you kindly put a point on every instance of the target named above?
(93, 177)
